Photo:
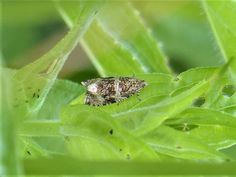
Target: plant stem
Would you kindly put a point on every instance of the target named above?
(9, 162)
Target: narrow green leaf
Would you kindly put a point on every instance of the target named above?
(230, 151)
(155, 114)
(195, 75)
(202, 116)
(33, 82)
(109, 56)
(120, 48)
(215, 136)
(226, 101)
(41, 138)
(39, 128)
(230, 109)
(46, 146)
(9, 152)
(215, 128)
(134, 35)
(219, 78)
(31, 149)
(221, 16)
(181, 145)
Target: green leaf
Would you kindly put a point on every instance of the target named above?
(155, 114)
(43, 138)
(203, 116)
(61, 94)
(40, 128)
(220, 80)
(230, 109)
(118, 51)
(9, 157)
(180, 145)
(226, 96)
(187, 79)
(230, 151)
(33, 82)
(195, 75)
(108, 56)
(223, 25)
(214, 128)
(182, 30)
(31, 149)
(216, 136)
(94, 135)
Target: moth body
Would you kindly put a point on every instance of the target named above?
(103, 91)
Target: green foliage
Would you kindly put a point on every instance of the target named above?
(223, 26)
(130, 45)
(186, 117)
(9, 159)
(33, 82)
(183, 29)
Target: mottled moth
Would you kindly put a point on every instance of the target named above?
(108, 90)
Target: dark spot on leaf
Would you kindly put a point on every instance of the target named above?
(111, 131)
(178, 147)
(120, 149)
(228, 90)
(128, 156)
(26, 101)
(37, 96)
(67, 138)
(28, 152)
(228, 160)
(95, 12)
(29, 87)
(38, 90)
(139, 99)
(176, 79)
(34, 95)
(199, 101)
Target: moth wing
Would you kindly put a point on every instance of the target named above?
(94, 100)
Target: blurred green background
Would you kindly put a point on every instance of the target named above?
(31, 28)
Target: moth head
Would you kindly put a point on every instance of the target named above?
(91, 86)
(143, 83)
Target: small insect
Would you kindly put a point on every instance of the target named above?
(108, 90)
